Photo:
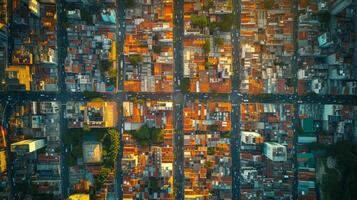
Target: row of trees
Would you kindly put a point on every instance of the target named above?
(111, 145)
(92, 95)
(102, 177)
(224, 24)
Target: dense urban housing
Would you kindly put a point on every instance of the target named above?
(178, 99)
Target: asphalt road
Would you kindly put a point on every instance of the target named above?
(296, 122)
(121, 33)
(236, 100)
(178, 99)
(61, 54)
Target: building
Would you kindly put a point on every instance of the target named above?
(2, 161)
(275, 151)
(92, 152)
(100, 114)
(27, 146)
(74, 14)
(47, 176)
(18, 78)
(79, 197)
(251, 137)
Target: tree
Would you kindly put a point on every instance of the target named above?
(289, 82)
(340, 183)
(154, 184)
(185, 85)
(207, 46)
(129, 3)
(211, 151)
(112, 154)
(218, 41)
(268, 4)
(208, 164)
(213, 127)
(105, 65)
(135, 59)
(200, 21)
(226, 135)
(299, 129)
(208, 4)
(87, 16)
(113, 72)
(86, 128)
(212, 26)
(226, 22)
(157, 49)
(147, 136)
(324, 18)
(102, 177)
(91, 94)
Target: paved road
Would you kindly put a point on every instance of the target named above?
(266, 98)
(296, 122)
(121, 33)
(276, 98)
(61, 55)
(178, 99)
(236, 100)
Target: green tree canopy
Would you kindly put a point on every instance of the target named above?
(289, 82)
(135, 59)
(341, 182)
(208, 164)
(185, 85)
(200, 21)
(211, 151)
(105, 65)
(91, 95)
(129, 3)
(226, 22)
(157, 49)
(218, 41)
(113, 136)
(147, 136)
(207, 46)
(102, 177)
(208, 4)
(268, 4)
(226, 135)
